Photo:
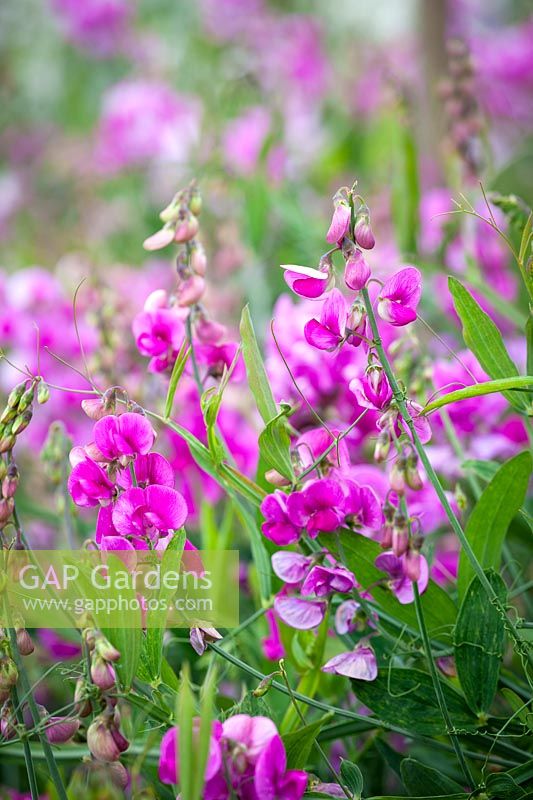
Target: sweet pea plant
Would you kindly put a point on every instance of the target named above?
(383, 645)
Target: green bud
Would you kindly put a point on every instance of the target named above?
(22, 421)
(43, 393)
(27, 399)
(15, 395)
(8, 414)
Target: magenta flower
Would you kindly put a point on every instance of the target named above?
(272, 645)
(363, 233)
(373, 390)
(323, 580)
(362, 507)
(329, 333)
(272, 780)
(400, 296)
(305, 281)
(151, 469)
(290, 567)
(360, 664)
(123, 437)
(399, 582)
(149, 513)
(357, 271)
(318, 507)
(252, 734)
(345, 615)
(89, 485)
(157, 332)
(278, 527)
(340, 222)
(169, 768)
(299, 613)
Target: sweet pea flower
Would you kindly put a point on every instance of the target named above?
(400, 584)
(272, 780)
(359, 664)
(278, 527)
(89, 485)
(251, 734)
(272, 645)
(372, 390)
(169, 766)
(329, 333)
(357, 271)
(362, 507)
(150, 470)
(299, 613)
(345, 615)
(291, 567)
(323, 580)
(318, 507)
(123, 437)
(400, 296)
(305, 281)
(148, 513)
(158, 332)
(312, 444)
(340, 222)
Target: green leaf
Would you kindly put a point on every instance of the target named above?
(504, 787)
(255, 370)
(352, 778)
(484, 339)
(477, 389)
(520, 708)
(185, 745)
(405, 190)
(201, 747)
(479, 640)
(456, 796)
(156, 619)
(299, 743)
(529, 342)
(359, 554)
(274, 443)
(128, 639)
(491, 516)
(406, 698)
(177, 372)
(486, 470)
(259, 552)
(420, 780)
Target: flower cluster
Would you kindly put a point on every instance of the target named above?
(246, 760)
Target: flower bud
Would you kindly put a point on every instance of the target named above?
(265, 685)
(7, 442)
(446, 664)
(159, 239)
(24, 642)
(27, 399)
(397, 476)
(198, 259)
(363, 233)
(195, 203)
(357, 271)
(411, 564)
(400, 535)
(275, 478)
(105, 649)
(209, 332)
(412, 475)
(82, 703)
(102, 673)
(61, 729)
(186, 229)
(9, 413)
(16, 393)
(8, 728)
(22, 422)
(381, 450)
(6, 510)
(43, 393)
(11, 481)
(100, 741)
(94, 408)
(190, 291)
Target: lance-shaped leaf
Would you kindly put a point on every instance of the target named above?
(491, 516)
(484, 339)
(420, 780)
(479, 643)
(477, 389)
(299, 743)
(274, 444)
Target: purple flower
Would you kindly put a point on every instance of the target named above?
(359, 664)
(400, 584)
(363, 233)
(290, 567)
(158, 332)
(305, 281)
(357, 271)
(149, 513)
(244, 138)
(89, 485)
(278, 527)
(400, 296)
(344, 617)
(340, 222)
(298, 613)
(329, 333)
(123, 437)
(252, 734)
(151, 469)
(97, 25)
(272, 645)
(169, 767)
(272, 780)
(373, 390)
(318, 507)
(361, 506)
(323, 580)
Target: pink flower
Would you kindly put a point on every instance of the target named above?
(329, 333)
(306, 281)
(362, 507)
(299, 613)
(360, 664)
(363, 233)
(169, 768)
(272, 780)
(324, 580)
(158, 331)
(252, 734)
(318, 507)
(125, 436)
(357, 271)
(373, 390)
(89, 485)
(244, 138)
(290, 567)
(400, 584)
(149, 513)
(97, 25)
(340, 223)
(344, 617)
(150, 470)
(272, 645)
(277, 526)
(400, 296)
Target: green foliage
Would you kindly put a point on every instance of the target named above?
(299, 743)
(352, 778)
(420, 780)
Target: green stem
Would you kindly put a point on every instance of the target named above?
(28, 758)
(45, 744)
(438, 689)
(521, 646)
